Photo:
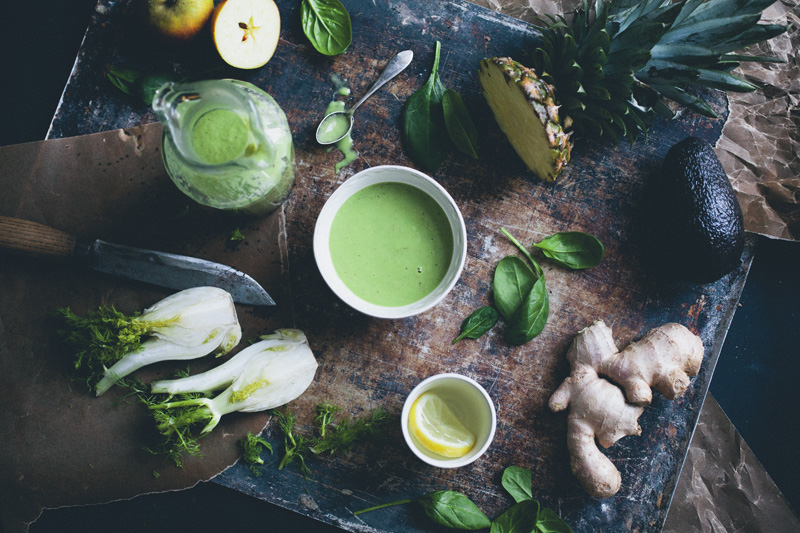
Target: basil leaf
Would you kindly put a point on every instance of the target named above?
(550, 522)
(479, 322)
(520, 518)
(422, 127)
(525, 309)
(573, 249)
(459, 124)
(536, 267)
(141, 85)
(326, 23)
(513, 280)
(453, 509)
(517, 481)
(529, 320)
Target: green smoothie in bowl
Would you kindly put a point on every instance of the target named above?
(390, 242)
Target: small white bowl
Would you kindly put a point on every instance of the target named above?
(469, 402)
(382, 174)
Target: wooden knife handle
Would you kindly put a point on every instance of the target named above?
(31, 238)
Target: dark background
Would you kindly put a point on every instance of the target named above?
(755, 379)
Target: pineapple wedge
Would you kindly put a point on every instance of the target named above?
(525, 109)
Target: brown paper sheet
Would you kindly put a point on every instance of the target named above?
(723, 487)
(760, 144)
(59, 445)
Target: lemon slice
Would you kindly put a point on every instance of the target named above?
(437, 428)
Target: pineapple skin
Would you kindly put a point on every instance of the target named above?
(540, 100)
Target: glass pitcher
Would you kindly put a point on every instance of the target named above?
(226, 144)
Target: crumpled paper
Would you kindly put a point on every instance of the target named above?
(760, 143)
(720, 467)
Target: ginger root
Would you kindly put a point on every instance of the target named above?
(664, 358)
(678, 355)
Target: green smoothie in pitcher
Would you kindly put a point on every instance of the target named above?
(226, 144)
(219, 136)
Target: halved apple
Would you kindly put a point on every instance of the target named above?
(246, 32)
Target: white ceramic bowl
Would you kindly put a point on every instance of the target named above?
(469, 402)
(397, 174)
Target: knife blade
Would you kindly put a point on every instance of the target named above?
(159, 268)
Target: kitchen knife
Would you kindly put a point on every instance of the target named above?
(159, 268)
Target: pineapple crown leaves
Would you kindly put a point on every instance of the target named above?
(614, 63)
(592, 64)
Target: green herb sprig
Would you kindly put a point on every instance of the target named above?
(572, 249)
(431, 116)
(478, 323)
(346, 434)
(252, 446)
(294, 447)
(528, 318)
(323, 416)
(330, 438)
(517, 481)
(99, 340)
(423, 131)
(455, 510)
(460, 128)
(327, 26)
(520, 294)
(445, 507)
(176, 440)
(140, 85)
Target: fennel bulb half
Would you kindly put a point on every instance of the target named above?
(109, 345)
(266, 375)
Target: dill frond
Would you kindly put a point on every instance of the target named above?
(342, 437)
(98, 340)
(252, 446)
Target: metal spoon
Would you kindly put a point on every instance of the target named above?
(395, 67)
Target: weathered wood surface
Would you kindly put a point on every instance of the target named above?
(367, 363)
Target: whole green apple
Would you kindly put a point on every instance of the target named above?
(178, 20)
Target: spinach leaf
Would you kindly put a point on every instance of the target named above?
(459, 124)
(479, 322)
(326, 23)
(141, 85)
(517, 481)
(536, 267)
(529, 320)
(520, 518)
(521, 296)
(453, 509)
(573, 249)
(513, 280)
(422, 128)
(550, 522)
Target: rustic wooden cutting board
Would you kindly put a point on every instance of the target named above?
(367, 363)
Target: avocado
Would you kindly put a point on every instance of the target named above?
(701, 220)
